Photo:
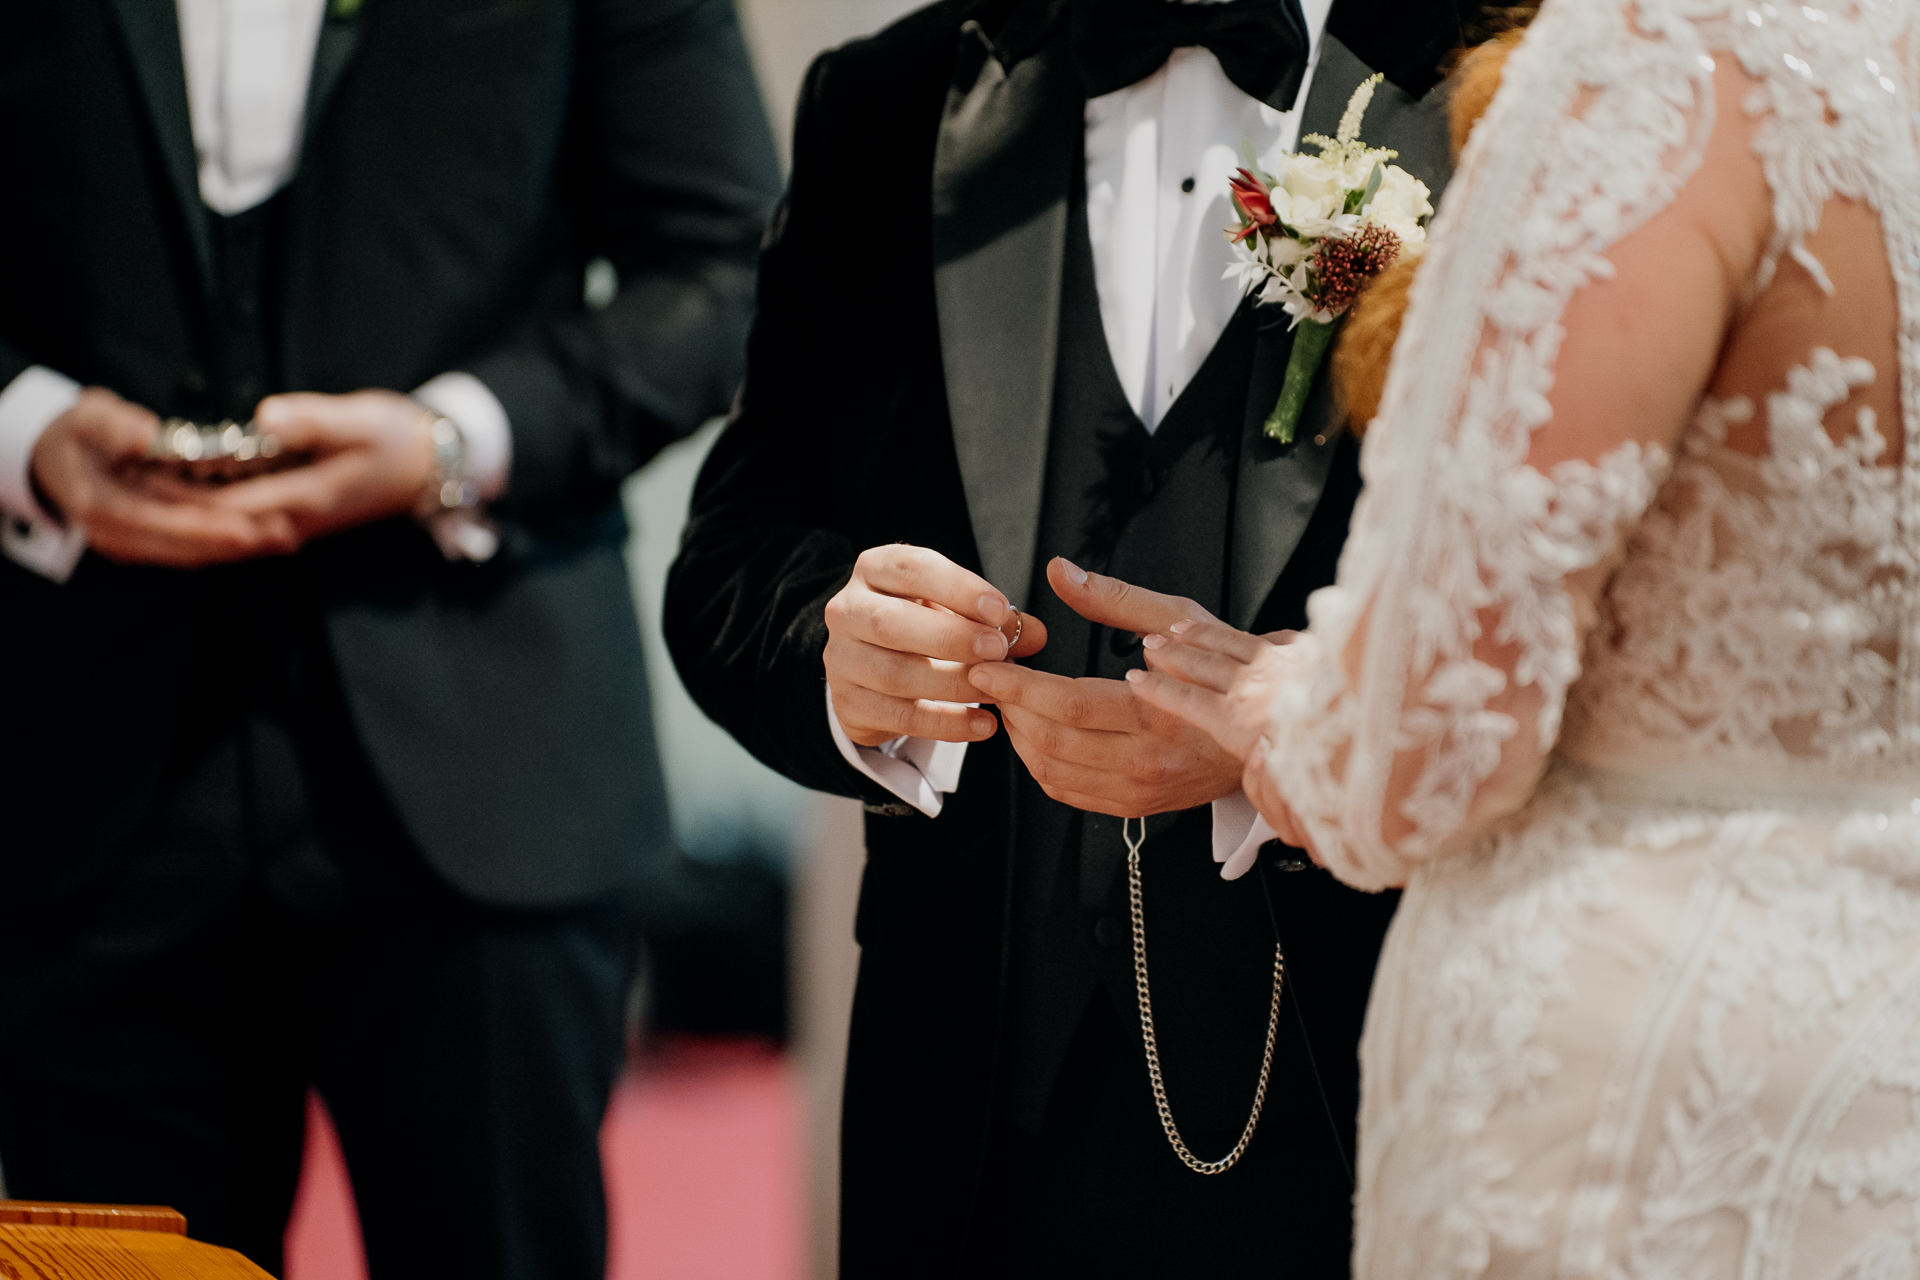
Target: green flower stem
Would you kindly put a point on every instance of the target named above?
(1310, 341)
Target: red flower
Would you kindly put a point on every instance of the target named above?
(1254, 204)
(1345, 267)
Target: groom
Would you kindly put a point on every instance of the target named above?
(993, 332)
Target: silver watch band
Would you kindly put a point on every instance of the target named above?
(448, 489)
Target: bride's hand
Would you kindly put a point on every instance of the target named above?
(1224, 680)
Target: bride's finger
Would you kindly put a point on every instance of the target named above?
(1219, 637)
(1193, 664)
(1200, 707)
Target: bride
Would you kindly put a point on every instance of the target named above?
(1621, 676)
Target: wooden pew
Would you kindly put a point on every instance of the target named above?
(42, 1241)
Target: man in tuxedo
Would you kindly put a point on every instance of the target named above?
(371, 815)
(994, 350)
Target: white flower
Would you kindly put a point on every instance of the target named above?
(1349, 130)
(1402, 201)
(1284, 251)
(1314, 179)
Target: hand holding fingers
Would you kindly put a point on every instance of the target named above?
(1117, 604)
(1122, 774)
(1078, 704)
(870, 718)
(898, 675)
(1087, 747)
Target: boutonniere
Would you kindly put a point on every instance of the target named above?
(1311, 237)
(343, 10)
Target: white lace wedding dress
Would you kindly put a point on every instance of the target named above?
(1621, 676)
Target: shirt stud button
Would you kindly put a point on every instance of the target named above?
(1187, 185)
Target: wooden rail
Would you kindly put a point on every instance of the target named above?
(43, 1241)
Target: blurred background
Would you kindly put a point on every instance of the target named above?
(721, 1144)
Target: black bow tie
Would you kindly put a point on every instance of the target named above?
(1262, 45)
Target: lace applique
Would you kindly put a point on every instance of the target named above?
(1499, 954)
(1760, 598)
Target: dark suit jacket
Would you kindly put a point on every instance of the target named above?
(900, 375)
(463, 160)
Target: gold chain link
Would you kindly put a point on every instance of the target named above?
(1136, 901)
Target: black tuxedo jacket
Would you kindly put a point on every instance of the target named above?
(462, 161)
(899, 386)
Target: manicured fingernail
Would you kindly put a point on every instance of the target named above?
(981, 724)
(1075, 574)
(1181, 627)
(992, 646)
(993, 610)
(1135, 675)
(1155, 641)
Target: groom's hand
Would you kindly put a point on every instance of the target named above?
(1091, 743)
(900, 637)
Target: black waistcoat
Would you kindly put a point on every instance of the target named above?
(1157, 510)
(247, 253)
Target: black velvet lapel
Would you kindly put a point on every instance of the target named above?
(1280, 485)
(1003, 166)
(153, 45)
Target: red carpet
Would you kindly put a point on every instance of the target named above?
(704, 1163)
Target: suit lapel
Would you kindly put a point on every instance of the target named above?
(1280, 485)
(152, 34)
(339, 39)
(1002, 174)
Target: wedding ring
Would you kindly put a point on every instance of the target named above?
(1019, 625)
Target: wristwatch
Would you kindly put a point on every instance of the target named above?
(448, 489)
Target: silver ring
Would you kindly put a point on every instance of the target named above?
(1019, 625)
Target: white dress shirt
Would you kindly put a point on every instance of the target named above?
(1158, 154)
(247, 65)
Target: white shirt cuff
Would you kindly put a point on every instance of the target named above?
(1238, 833)
(29, 536)
(28, 407)
(465, 401)
(920, 771)
(482, 420)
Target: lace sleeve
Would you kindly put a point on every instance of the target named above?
(1499, 480)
